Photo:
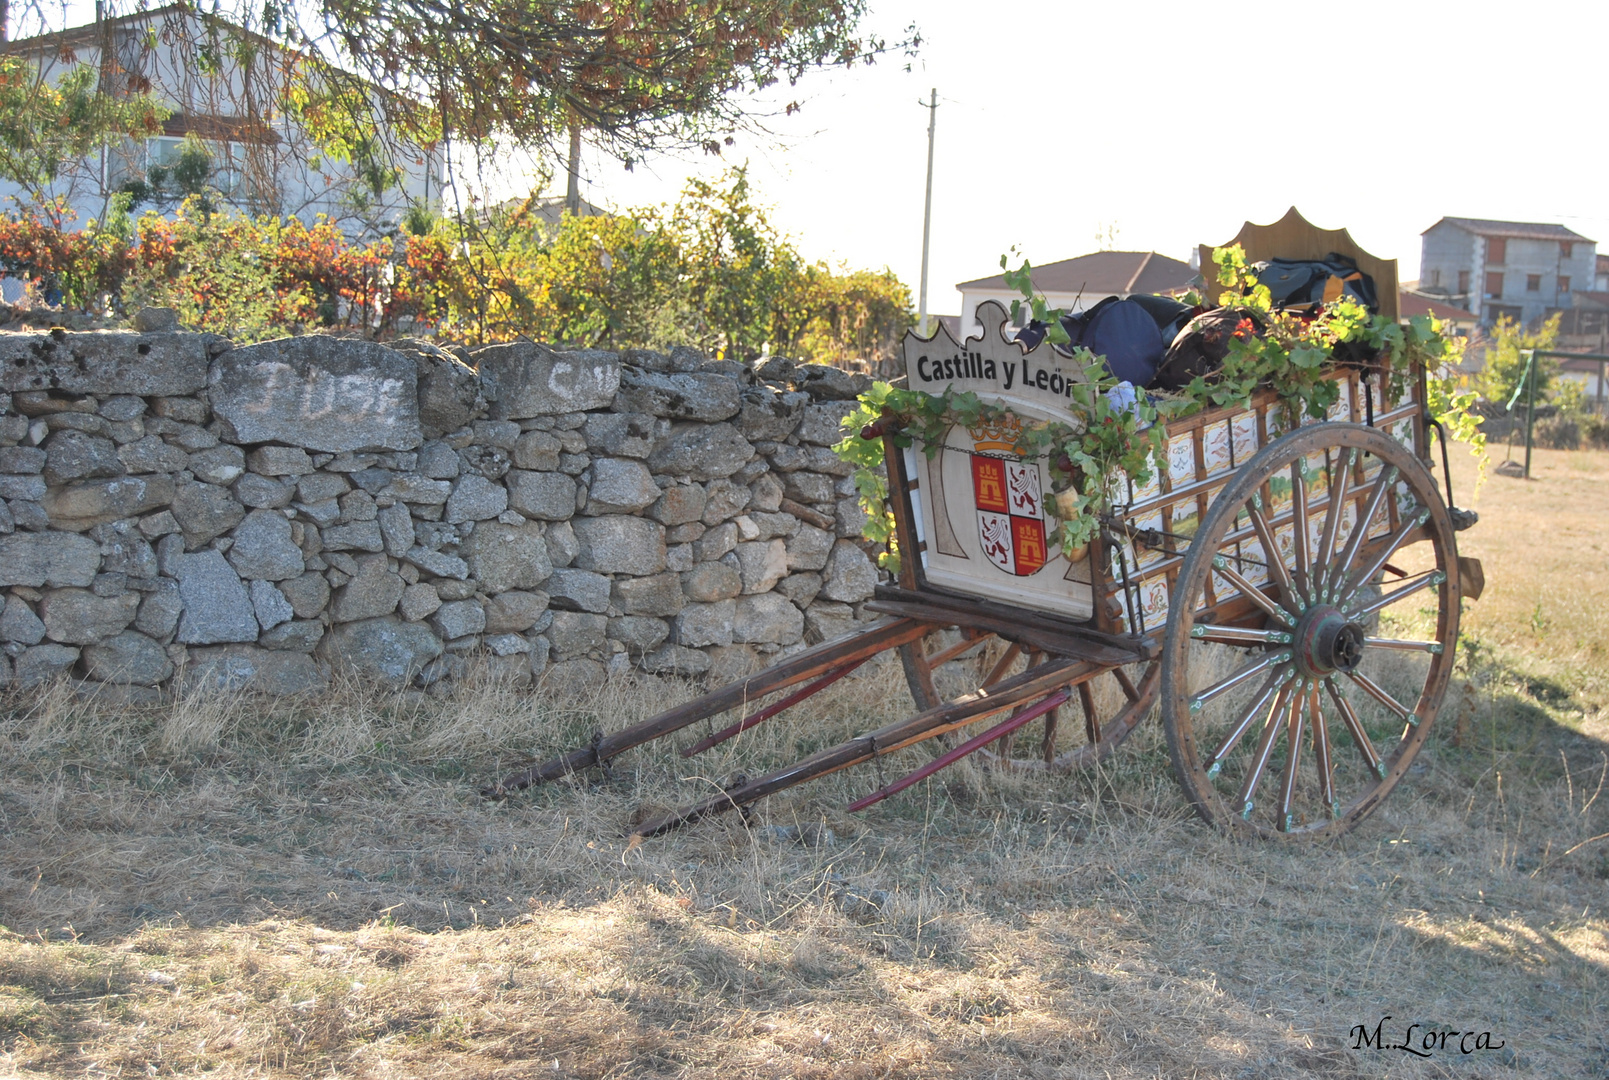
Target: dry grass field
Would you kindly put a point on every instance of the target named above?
(246, 889)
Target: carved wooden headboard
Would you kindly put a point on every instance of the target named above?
(1294, 237)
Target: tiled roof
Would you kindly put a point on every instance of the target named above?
(1103, 273)
(1519, 230)
(1410, 304)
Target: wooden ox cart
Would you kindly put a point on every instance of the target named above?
(1239, 592)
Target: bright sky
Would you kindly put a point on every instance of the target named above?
(1171, 123)
(1175, 122)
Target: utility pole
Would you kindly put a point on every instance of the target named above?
(572, 191)
(927, 210)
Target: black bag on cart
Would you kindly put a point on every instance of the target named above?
(1299, 282)
(1128, 334)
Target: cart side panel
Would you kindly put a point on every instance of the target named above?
(977, 514)
(1202, 453)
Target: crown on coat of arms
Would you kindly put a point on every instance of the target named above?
(1000, 435)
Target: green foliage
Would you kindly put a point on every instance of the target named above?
(1038, 307)
(832, 316)
(46, 126)
(643, 279)
(1506, 357)
(736, 268)
(638, 75)
(1113, 438)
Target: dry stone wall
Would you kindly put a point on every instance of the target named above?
(181, 512)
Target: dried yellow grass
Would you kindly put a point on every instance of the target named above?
(240, 888)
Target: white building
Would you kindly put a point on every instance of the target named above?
(1523, 270)
(1077, 284)
(225, 86)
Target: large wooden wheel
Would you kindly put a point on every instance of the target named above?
(1288, 707)
(1111, 702)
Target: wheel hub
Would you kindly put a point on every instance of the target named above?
(1326, 641)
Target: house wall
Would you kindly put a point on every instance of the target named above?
(1444, 250)
(1543, 259)
(178, 512)
(288, 176)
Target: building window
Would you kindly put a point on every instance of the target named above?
(1497, 250)
(1494, 283)
(1463, 283)
(1533, 282)
(1566, 248)
(1435, 279)
(1564, 283)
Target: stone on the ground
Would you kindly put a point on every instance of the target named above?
(374, 592)
(78, 617)
(383, 649)
(702, 452)
(127, 657)
(19, 624)
(660, 594)
(850, 576)
(269, 604)
(263, 548)
(522, 379)
(620, 486)
(619, 544)
(42, 663)
(768, 618)
(331, 394)
(570, 589)
(476, 498)
(277, 672)
(217, 608)
(503, 557)
(699, 625)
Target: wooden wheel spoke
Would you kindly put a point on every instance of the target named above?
(1321, 754)
(1354, 727)
(1259, 703)
(1251, 592)
(1092, 721)
(1422, 581)
(1299, 535)
(1383, 696)
(1432, 647)
(1047, 745)
(1003, 665)
(1237, 635)
(1360, 531)
(1339, 477)
(1265, 747)
(1293, 756)
(1356, 580)
(1126, 684)
(1242, 674)
(1265, 536)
